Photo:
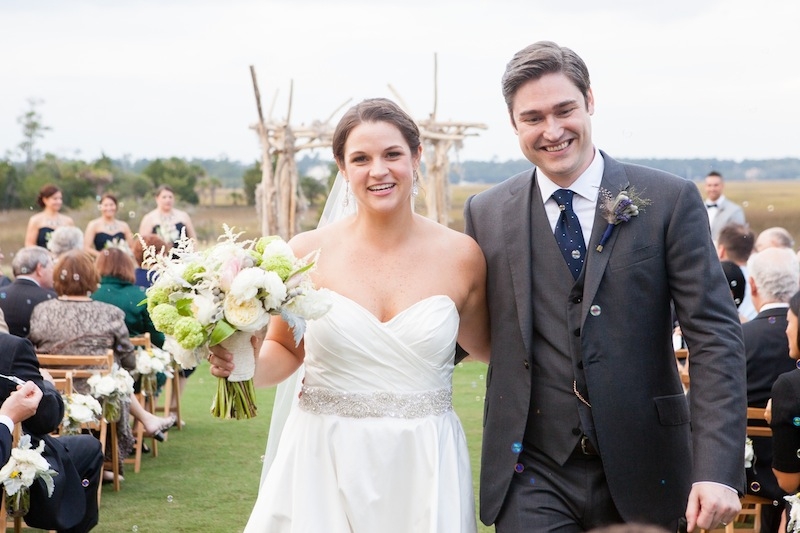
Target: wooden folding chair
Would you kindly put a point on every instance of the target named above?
(148, 403)
(749, 519)
(84, 366)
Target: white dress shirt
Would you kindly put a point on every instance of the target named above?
(584, 202)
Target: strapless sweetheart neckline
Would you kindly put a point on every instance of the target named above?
(399, 313)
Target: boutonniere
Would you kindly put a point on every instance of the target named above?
(621, 208)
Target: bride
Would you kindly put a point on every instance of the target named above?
(373, 443)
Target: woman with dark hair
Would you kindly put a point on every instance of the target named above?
(166, 221)
(42, 224)
(378, 366)
(786, 409)
(107, 230)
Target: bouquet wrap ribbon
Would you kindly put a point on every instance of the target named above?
(243, 358)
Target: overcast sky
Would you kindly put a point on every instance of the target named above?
(671, 79)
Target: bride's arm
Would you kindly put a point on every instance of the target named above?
(473, 331)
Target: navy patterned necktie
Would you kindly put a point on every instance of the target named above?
(568, 233)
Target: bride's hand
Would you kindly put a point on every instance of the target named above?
(221, 361)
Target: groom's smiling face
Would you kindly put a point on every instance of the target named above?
(553, 122)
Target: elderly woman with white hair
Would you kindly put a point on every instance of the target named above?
(65, 238)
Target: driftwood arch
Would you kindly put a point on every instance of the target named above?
(438, 137)
(278, 195)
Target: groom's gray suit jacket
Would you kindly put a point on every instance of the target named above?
(611, 332)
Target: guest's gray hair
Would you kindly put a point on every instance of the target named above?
(776, 236)
(65, 238)
(27, 259)
(776, 272)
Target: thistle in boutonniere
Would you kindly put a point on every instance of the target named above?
(794, 513)
(621, 208)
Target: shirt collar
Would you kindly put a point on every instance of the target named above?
(774, 305)
(587, 185)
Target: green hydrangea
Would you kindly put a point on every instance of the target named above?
(279, 264)
(189, 333)
(193, 272)
(155, 297)
(164, 317)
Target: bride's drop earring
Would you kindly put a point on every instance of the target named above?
(346, 199)
(415, 186)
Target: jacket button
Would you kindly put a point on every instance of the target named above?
(577, 300)
(576, 431)
(580, 365)
(577, 332)
(526, 363)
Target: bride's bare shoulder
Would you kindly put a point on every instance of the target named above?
(313, 240)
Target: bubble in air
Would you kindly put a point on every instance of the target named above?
(135, 528)
(131, 214)
(169, 498)
(76, 277)
(770, 208)
(516, 447)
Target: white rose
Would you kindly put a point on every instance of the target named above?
(204, 308)
(275, 289)
(103, 386)
(247, 283)
(245, 315)
(278, 247)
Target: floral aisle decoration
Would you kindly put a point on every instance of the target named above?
(111, 390)
(223, 295)
(150, 363)
(22, 469)
(618, 209)
(79, 409)
(793, 525)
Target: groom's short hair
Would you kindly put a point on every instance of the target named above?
(538, 59)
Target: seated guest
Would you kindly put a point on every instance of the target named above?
(736, 281)
(64, 239)
(33, 283)
(774, 278)
(75, 324)
(735, 243)
(73, 505)
(148, 241)
(775, 237)
(785, 409)
(116, 269)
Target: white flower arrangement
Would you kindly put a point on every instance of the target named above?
(112, 389)
(201, 298)
(793, 525)
(150, 363)
(749, 453)
(24, 466)
(79, 409)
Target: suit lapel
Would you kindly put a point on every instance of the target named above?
(517, 232)
(614, 180)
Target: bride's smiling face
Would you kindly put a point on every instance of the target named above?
(379, 165)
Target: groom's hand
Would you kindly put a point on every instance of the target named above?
(710, 505)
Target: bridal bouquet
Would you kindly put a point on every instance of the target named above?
(224, 294)
(150, 363)
(19, 473)
(79, 409)
(112, 389)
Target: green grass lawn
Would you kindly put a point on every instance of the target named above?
(205, 478)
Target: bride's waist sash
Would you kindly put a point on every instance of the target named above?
(324, 401)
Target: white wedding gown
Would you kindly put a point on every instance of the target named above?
(373, 445)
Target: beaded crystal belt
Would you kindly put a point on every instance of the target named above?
(323, 401)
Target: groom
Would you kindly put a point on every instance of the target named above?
(586, 421)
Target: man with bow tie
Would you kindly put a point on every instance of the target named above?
(721, 211)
